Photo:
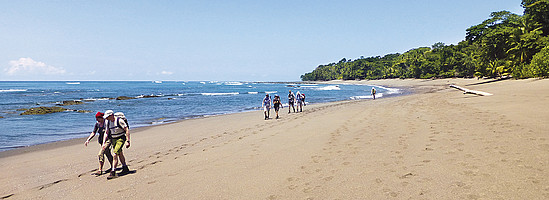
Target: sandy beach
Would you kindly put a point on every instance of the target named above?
(436, 143)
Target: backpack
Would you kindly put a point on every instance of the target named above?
(119, 116)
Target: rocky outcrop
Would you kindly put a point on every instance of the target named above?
(43, 110)
(71, 102)
(84, 111)
(124, 98)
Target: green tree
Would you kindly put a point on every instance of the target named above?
(537, 10)
(540, 64)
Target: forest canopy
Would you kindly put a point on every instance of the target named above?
(504, 45)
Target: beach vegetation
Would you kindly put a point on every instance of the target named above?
(504, 45)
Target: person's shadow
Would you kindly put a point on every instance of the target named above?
(120, 174)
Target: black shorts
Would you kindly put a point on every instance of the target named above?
(276, 108)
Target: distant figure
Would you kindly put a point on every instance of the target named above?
(119, 133)
(291, 99)
(105, 149)
(299, 101)
(374, 93)
(277, 104)
(303, 95)
(266, 104)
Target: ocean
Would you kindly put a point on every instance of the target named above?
(155, 102)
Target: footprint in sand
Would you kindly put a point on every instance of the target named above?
(51, 184)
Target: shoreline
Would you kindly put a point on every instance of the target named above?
(436, 143)
(10, 151)
(401, 84)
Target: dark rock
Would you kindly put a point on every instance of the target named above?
(84, 111)
(71, 102)
(22, 109)
(43, 110)
(124, 98)
(150, 96)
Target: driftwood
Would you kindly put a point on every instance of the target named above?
(468, 91)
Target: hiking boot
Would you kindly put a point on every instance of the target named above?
(97, 173)
(125, 170)
(112, 175)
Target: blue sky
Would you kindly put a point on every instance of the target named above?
(219, 40)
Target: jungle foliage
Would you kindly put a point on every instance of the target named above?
(504, 45)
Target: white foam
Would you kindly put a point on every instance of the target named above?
(14, 90)
(234, 83)
(379, 95)
(203, 82)
(219, 94)
(389, 90)
(73, 83)
(253, 92)
(331, 87)
(271, 92)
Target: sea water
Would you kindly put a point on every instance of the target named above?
(168, 101)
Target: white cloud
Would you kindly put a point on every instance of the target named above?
(166, 73)
(29, 66)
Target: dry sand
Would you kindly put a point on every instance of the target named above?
(435, 144)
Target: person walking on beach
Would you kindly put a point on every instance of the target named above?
(374, 93)
(105, 149)
(303, 98)
(299, 102)
(266, 104)
(291, 99)
(277, 104)
(118, 131)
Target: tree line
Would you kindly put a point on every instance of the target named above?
(504, 45)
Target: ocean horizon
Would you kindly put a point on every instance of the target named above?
(145, 103)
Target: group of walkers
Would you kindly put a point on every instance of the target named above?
(113, 133)
(298, 100)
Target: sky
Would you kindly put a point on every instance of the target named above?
(234, 40)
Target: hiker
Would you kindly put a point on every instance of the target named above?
(277, 104)
(266, 104)
(299, 102)
(119, 133)
(291, 99)
(105, 150)
(374, 93)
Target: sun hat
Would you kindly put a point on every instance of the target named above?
(99, 114)
(108, 113)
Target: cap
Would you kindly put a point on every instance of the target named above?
(108, 113)
(99, 114)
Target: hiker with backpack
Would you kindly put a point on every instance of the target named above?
(291, 99)
(266, 104)
(277, 104)
(105, 149)
(119, 133)
(299, 102)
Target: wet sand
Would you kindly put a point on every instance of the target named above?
(437, 143)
